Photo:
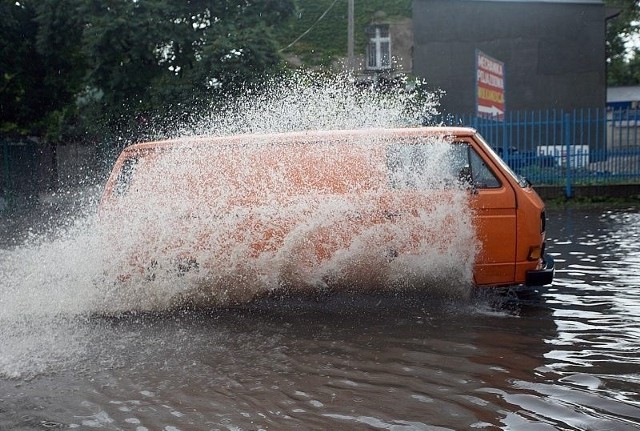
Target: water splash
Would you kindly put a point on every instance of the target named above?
(155, 252)
(235, 222)
(46, 289)
(313, 101)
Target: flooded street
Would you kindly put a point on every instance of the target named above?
(417, 362)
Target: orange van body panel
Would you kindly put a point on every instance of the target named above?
(507, 219)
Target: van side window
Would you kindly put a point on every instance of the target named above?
(418, 166)
(124, 176)
(408, 168)
(472, 169)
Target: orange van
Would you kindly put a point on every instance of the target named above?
(299, 200)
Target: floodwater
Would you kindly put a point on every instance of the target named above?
(567, 360)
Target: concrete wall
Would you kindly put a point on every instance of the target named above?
(24, 167)
(76, 165)
(554, 52)
(401, 32)
(29, 169)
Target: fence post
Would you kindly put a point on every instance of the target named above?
(567, 141)
(505, 132)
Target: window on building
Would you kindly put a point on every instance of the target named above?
(379, 47)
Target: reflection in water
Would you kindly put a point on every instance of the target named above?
(596, 297)
(371, 362)
(596, 305)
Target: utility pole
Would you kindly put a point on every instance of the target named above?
(350, 54)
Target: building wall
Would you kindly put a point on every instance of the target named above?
(553, 51)
(401, 31)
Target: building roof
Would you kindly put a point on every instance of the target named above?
(623, 94)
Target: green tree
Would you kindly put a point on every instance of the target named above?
(68, 67)
(622, 65)
(17, 43)
(156, 58)
(41, 68)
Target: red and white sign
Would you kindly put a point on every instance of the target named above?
(490, 91)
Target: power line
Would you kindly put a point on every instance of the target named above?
(310, 28)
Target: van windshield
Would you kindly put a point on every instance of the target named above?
(522, 182)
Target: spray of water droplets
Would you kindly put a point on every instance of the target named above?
(166, 243)
(314, 101)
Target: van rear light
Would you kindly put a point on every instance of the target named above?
(535, 252)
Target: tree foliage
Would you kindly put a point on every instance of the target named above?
(67, 66)
(34, 69)
(623, 61)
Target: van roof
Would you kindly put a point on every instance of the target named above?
(290, 137)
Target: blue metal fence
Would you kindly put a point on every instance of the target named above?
(557, 147)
